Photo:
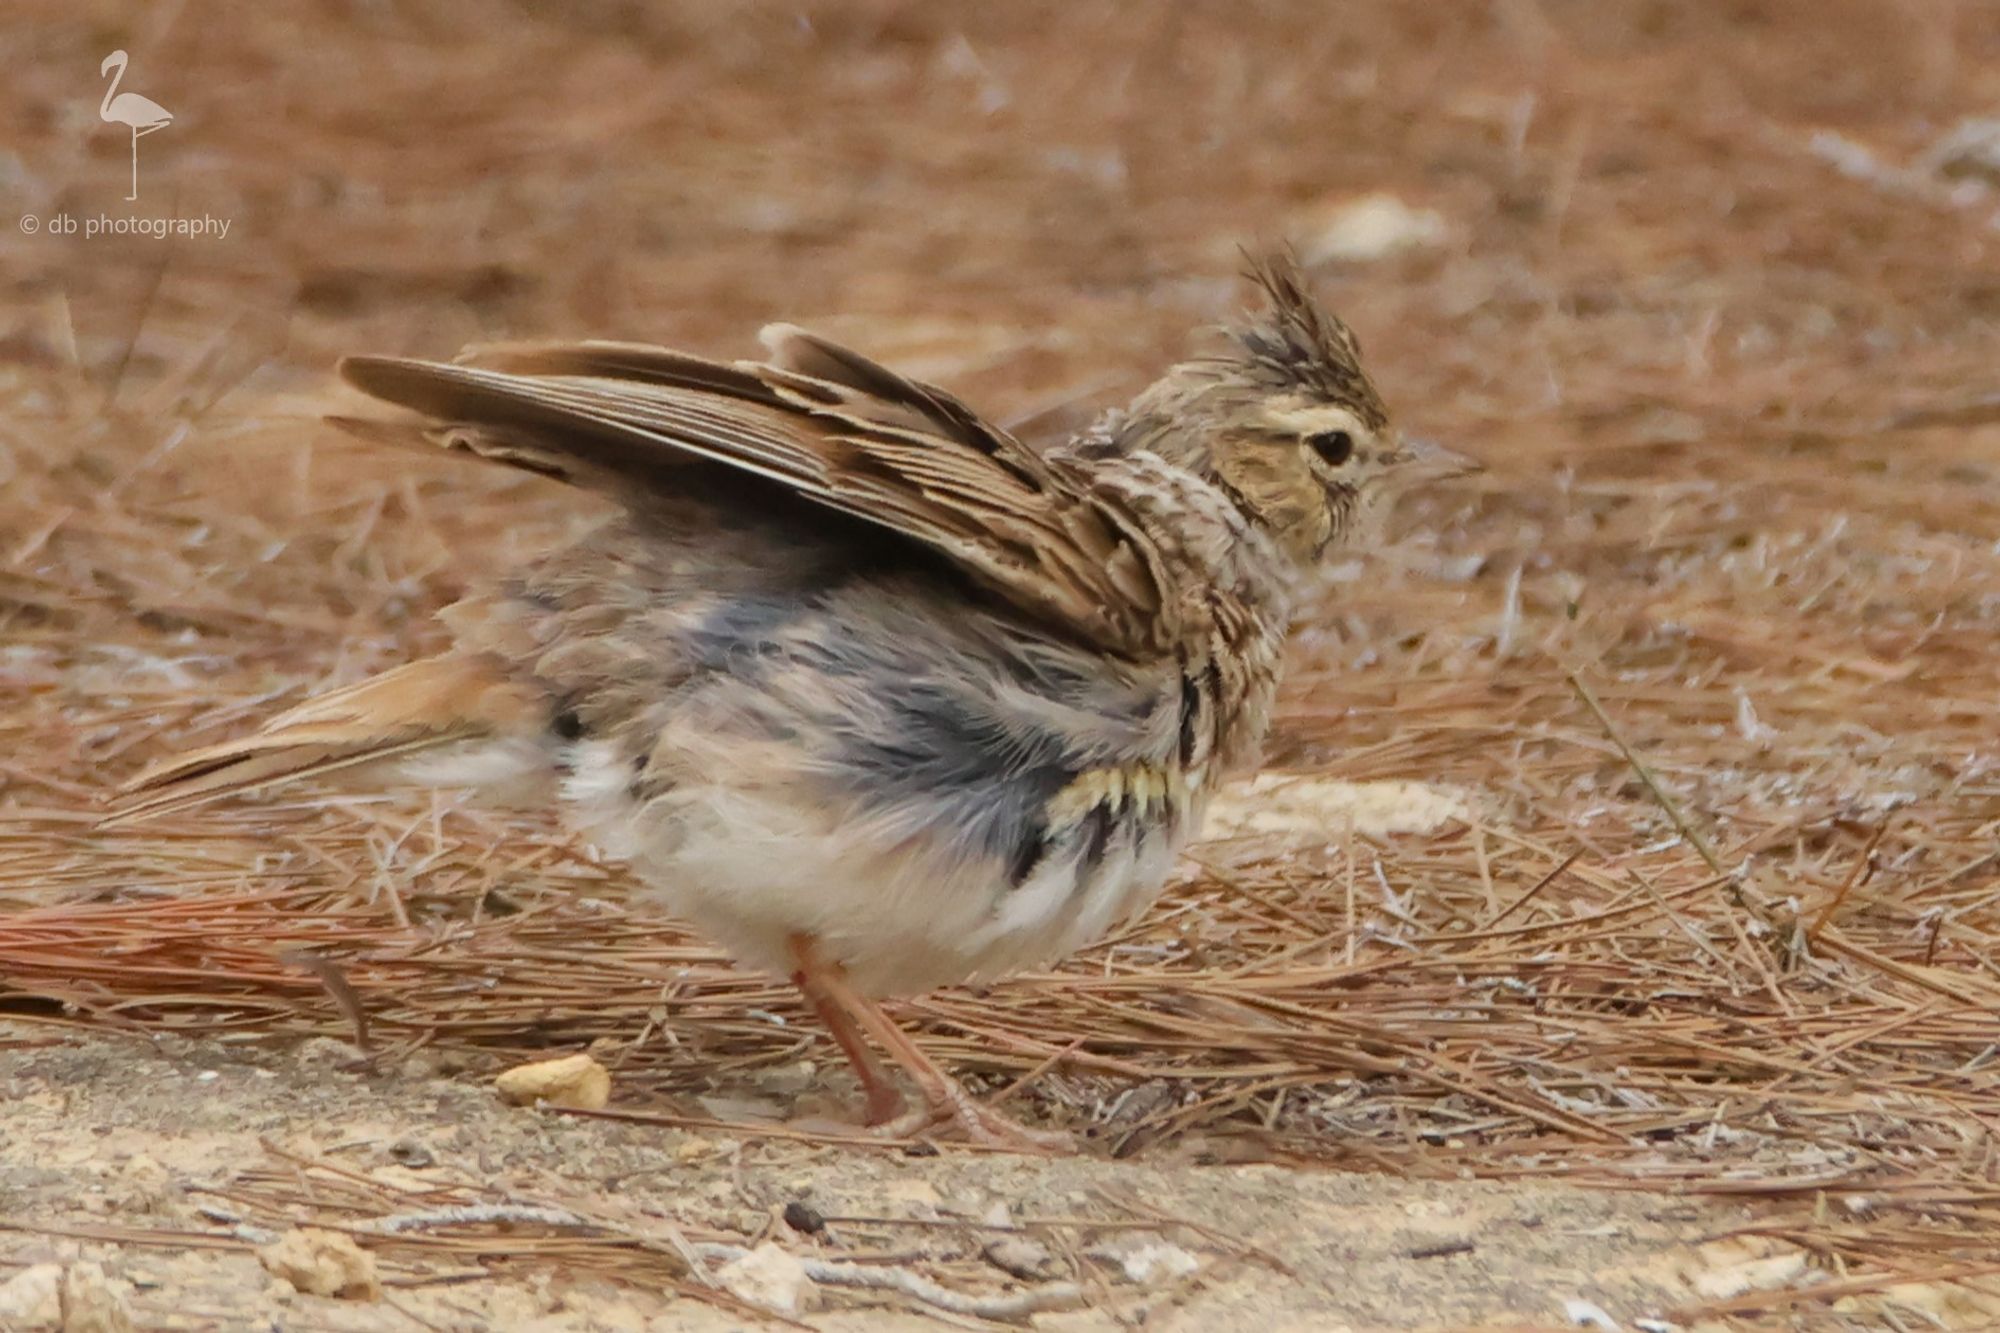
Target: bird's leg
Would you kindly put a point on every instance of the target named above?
(944, 1099)
(884, 1102)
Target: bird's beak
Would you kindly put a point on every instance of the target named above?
(1434, 462)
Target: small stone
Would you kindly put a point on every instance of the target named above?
(31, 1297)
(1587, 1314)
(322, 1263)
(1147, 1265)
(804, 1218)
(1022, 1257)
(574, 1081)
(90, 1303)
(413, 1153)
(1145, 1259)
(771, 1277)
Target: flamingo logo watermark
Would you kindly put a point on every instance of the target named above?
(141, 115)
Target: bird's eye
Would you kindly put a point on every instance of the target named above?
(1333, 446)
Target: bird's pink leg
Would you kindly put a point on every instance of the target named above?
(944, 1100)
(884, 1103)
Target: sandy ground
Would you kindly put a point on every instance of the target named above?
(164, 1169)
(168, 1136)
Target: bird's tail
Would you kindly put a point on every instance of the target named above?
(455, 719)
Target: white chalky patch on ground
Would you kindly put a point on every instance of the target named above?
(1321, 809)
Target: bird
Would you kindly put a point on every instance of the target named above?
(142, 115)
(861, 685)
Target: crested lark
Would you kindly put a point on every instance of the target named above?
(860, 685)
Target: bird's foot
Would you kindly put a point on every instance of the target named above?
(884, 1105)
(952, 1105)
(848, 1014)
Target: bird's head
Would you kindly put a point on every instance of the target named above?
(1287, 424)
(115, 58)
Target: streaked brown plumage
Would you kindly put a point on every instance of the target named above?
(860, 684)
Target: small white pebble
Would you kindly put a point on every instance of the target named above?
(1148, 1264)
(771, 1277)
(1585, 1314)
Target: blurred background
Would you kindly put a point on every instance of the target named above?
(1599, 244)
(1710, 286)
(1595, 204)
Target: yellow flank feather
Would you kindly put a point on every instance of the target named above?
(1140, 789)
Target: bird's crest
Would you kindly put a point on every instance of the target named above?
(1297, 345)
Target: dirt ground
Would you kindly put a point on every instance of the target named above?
(175, 1135)
(1643, 955)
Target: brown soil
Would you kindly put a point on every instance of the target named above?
(170, 1135)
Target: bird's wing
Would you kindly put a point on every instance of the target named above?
(436, 703)
(816, 421)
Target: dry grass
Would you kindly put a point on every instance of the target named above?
(1713, 643)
